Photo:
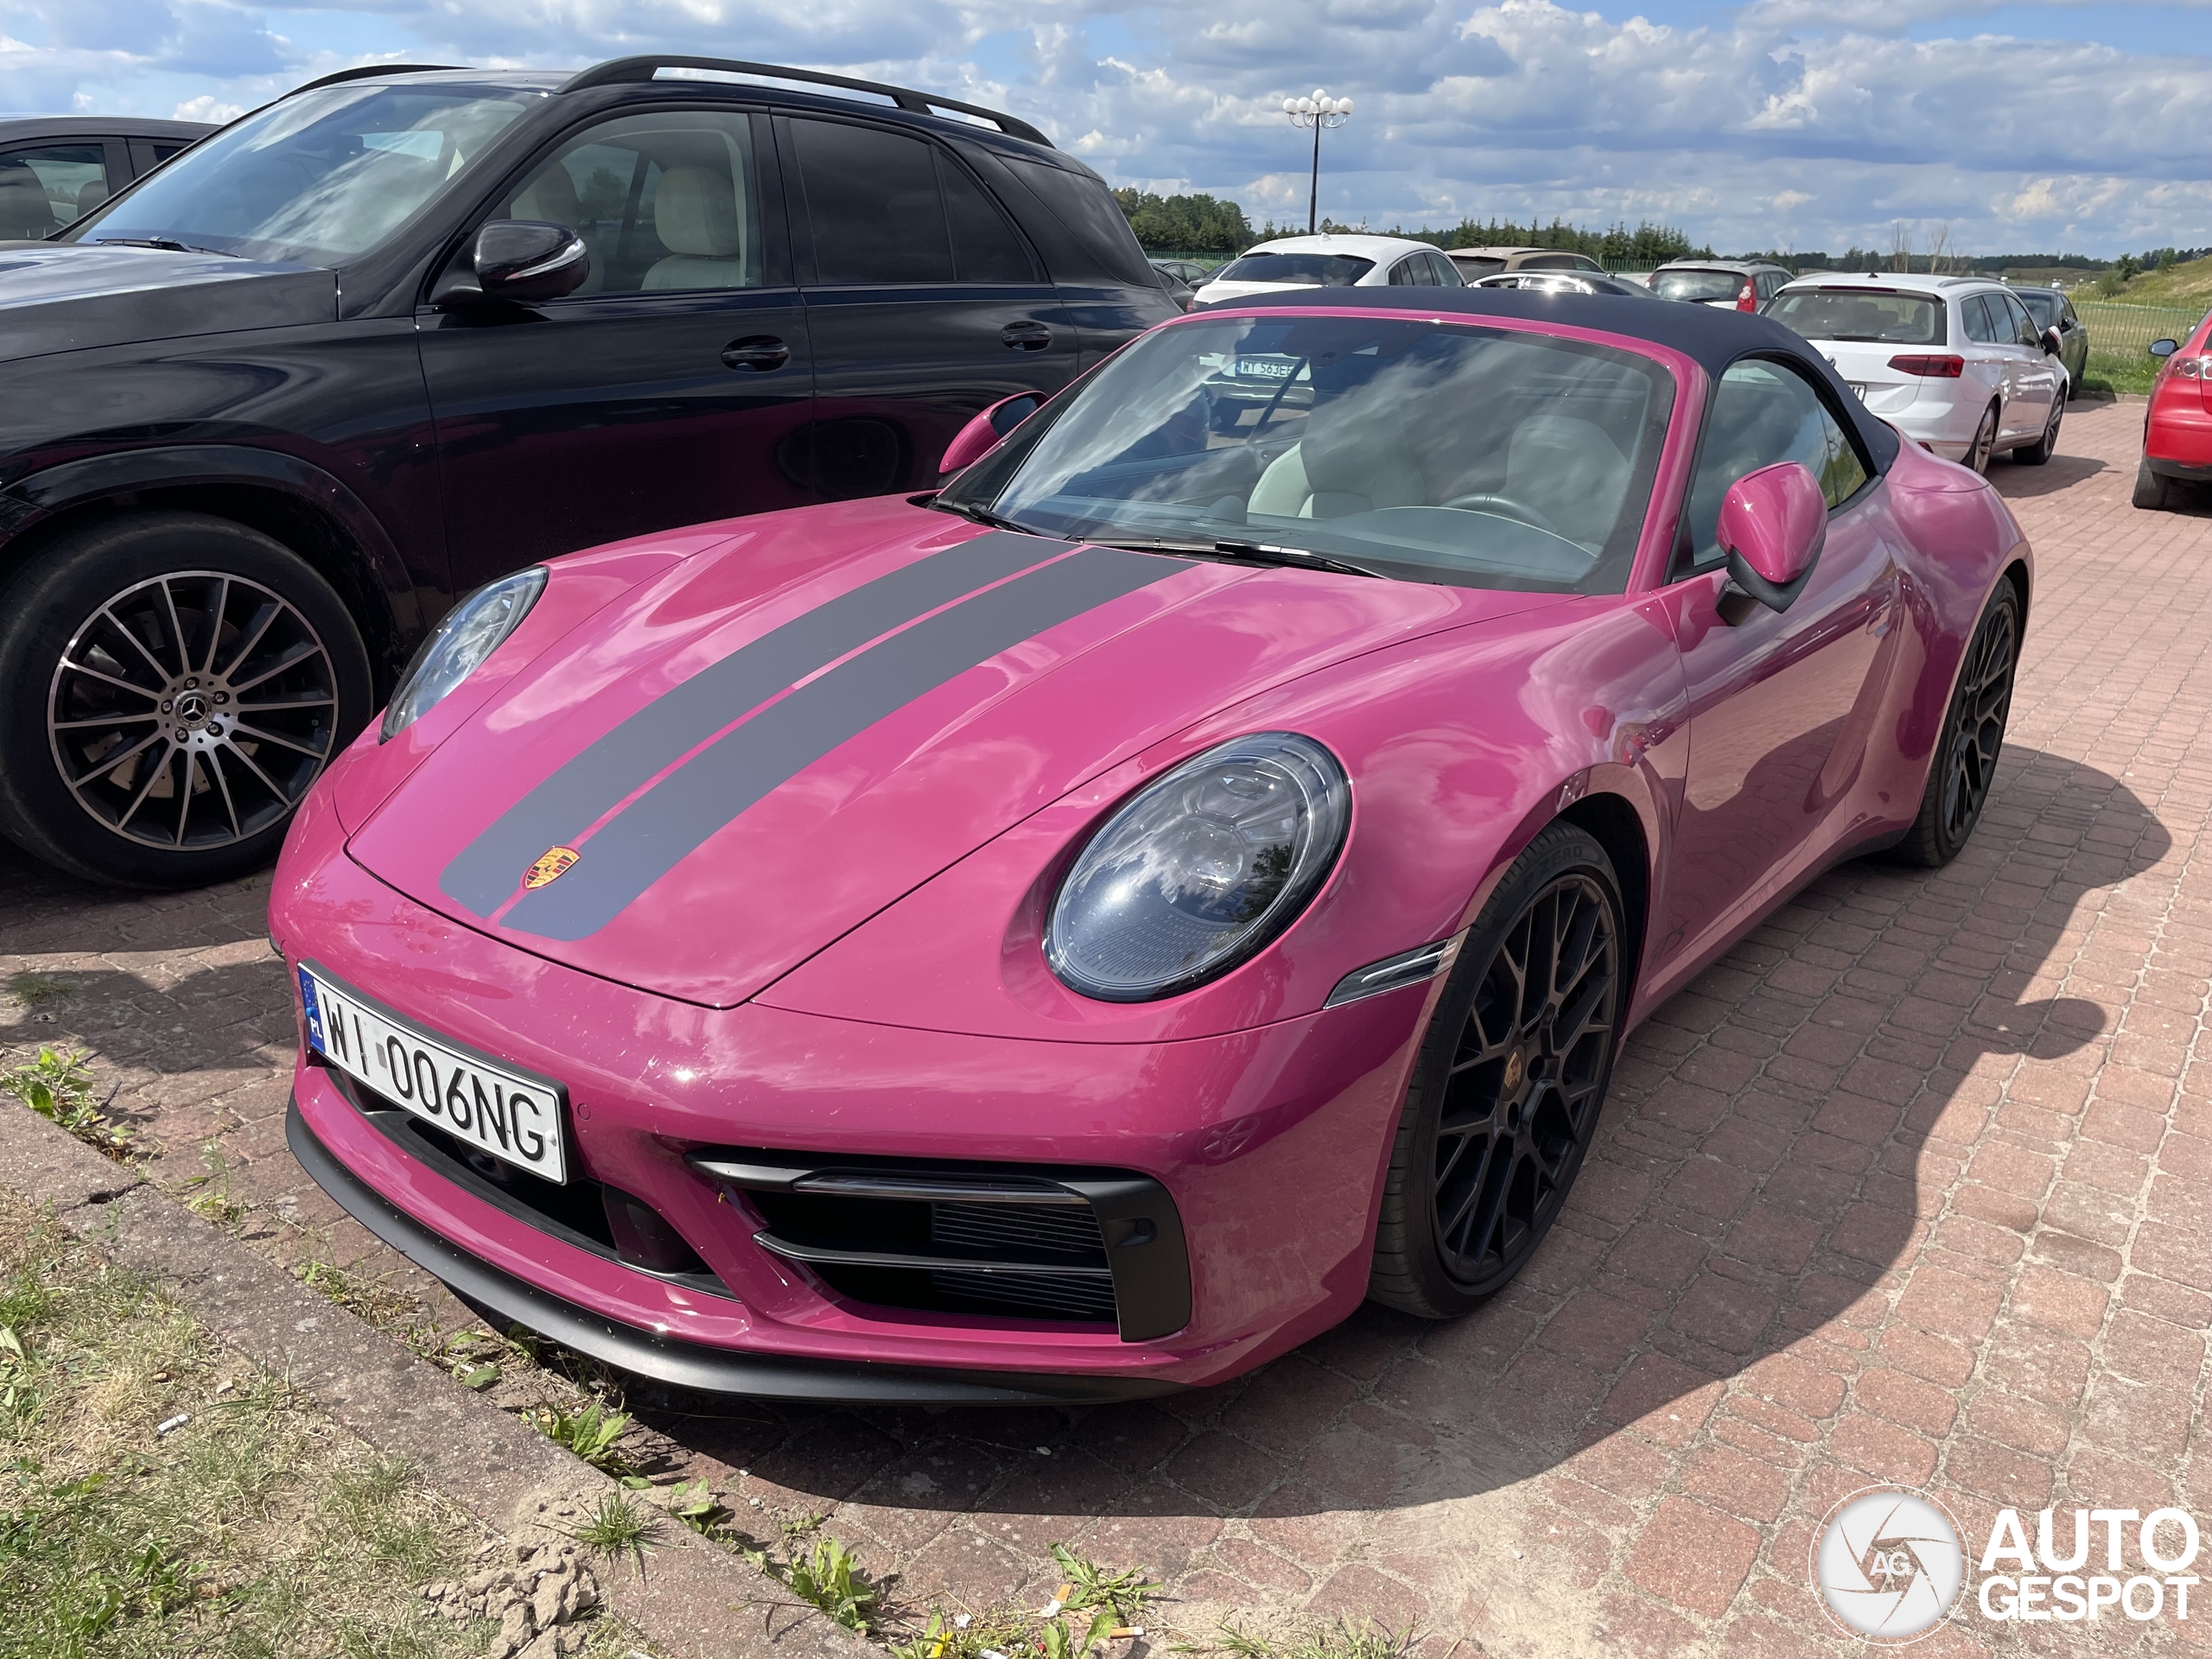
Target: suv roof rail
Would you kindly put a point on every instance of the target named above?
(367, 71)
(645, 68)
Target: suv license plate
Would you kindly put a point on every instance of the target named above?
(511, 1114)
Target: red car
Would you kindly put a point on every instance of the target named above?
(2178, 427)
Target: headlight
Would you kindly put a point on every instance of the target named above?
(471, 631)
(1201, 870)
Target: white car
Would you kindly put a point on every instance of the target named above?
(1954, 363)
(1329, 262)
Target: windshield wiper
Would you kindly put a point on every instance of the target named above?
(1247, 552)
(168, 244)
(985, 516)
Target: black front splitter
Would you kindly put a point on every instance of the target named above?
(686, 1364)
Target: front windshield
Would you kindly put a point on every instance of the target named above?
(1479, 456)
(1307, 269)
(1860, 314)
(312, 180)
(2043, 308)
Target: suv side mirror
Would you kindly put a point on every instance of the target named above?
(981, 435)
(2164, 347)
(521, 262)
(1773, 523)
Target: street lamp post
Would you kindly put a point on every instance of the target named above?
(1317, 112)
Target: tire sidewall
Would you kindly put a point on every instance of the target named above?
(1559, 850)
(1947, 849)
(44, 605)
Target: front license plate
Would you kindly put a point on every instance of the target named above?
(509, 1114)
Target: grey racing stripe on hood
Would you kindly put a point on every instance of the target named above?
(654, 833)
(484, 873)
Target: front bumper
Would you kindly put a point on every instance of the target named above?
(1271, 1141)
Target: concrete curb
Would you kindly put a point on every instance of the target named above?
(691, 1599)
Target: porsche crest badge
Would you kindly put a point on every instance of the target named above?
(550, 866)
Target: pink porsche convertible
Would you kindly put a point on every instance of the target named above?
(1077, 933)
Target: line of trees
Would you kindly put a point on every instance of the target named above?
(1193, 224)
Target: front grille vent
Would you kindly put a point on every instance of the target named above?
(1072, 1246)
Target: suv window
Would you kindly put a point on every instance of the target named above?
(43, 188)
(1443, 271)
(2024, 332)
(1887, 315)
(665, 201)
(1974, 311)
(1763, 412)
(888, 207)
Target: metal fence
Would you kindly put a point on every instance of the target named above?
(2121, 336)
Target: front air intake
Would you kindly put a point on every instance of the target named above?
(1020, 1241)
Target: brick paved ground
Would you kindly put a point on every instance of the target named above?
(1912, 1187)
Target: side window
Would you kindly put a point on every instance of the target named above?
(43, 188)
(665, 202)
(2024, 331)
(1408, 272)
(1446, 273)
(1763, 412)
(876, 209)
(985, 248)
(1974, 311)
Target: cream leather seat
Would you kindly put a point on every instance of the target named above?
(1345, 467)
(25, 211)
(551, 199)
(695, 210)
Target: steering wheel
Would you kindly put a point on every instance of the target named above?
(1484, 501)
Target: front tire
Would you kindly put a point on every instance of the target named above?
(1511, 1078)
(1964, 764)
(179, 681)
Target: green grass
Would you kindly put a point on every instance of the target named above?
(2121, 332)
(1336, 1640)
(250, 1528)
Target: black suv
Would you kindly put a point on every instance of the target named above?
(273, 407)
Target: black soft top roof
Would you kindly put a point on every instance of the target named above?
(1712, 337)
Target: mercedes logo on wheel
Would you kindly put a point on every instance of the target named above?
(191, 709)
(1889, 1564)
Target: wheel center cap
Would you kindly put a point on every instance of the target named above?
(192, 709)
(1516, 1068)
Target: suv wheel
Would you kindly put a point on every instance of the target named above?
(182, 681)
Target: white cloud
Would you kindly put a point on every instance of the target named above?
(1805, 122)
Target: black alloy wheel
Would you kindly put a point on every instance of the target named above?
(2036, 453)
(1511, 1080)
(1964, 764)
(1985, 442)
(187, 680)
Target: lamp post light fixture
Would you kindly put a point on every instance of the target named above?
(1317, 112)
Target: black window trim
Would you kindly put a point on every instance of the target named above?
(1682, 564)
(796, 212)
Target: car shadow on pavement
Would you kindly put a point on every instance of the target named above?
(1777, 1136)
(2062, 472)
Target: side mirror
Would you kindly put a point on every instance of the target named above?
(2052, 343)
(1773, 523)
(2164, 347)
(981, 435)
(521, 262)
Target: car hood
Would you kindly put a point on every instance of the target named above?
(751, 753)
(64, 296)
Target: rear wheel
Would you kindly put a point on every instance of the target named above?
(1985, 442)
(2044, 448)
(1965, 762)
(181, 682)
(1506, 1093)
(2154, 491)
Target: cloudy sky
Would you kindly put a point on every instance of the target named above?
(1798, 124)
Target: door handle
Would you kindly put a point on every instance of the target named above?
(1026, 336)
(758, 353)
